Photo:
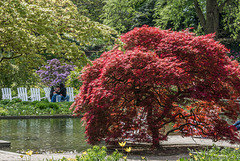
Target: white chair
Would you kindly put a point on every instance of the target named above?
(70, 94)
(22, 93)
(47, 93)
(35, 94)
(6, 93)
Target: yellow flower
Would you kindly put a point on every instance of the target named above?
(21, 156)
(84, 153)
(29, 152)
(143, 158)
(190, 154)
(236, 148)
(195, 157)
(125, 157)
(128, 149)
(122, 144)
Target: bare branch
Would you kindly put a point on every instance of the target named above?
(200, 14)
(8, 58)
(182, 126)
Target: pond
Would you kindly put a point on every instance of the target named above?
(44, 135)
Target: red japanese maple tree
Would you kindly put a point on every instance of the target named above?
(162, 80)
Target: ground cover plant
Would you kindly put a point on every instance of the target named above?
(16, 107)
(160, 77)
(215, 153)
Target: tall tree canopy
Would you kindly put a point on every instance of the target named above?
(45, 26)
(30, 30)
(212, 16)
(161, 77)
(206, 16)
(124, 15)
(90, 8)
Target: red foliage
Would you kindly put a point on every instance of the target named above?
(162, 77)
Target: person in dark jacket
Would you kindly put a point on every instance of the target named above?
(51, 92)
(56, 95)
(63, 93)
(60, 94)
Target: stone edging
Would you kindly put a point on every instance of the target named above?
(39, 117)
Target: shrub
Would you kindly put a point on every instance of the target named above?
(5, 102)
(215, 153)
(55, 72)
(160, 77)
(3, 112)
(42, 105)
(54, 106)
(96, 154)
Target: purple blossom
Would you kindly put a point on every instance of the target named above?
(55, 72)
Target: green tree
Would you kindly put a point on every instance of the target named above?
(90, 8)
(45, 26)
(31, 31)
(120, 14)
(210, 16)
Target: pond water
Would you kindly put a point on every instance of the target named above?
(44, 135)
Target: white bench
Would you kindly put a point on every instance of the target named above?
(35, 94)
(22, 93)
(70, 94)
(6, 94)
(47, 91)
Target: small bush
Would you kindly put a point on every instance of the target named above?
(215, 153)
(15, 100)
(34, 103)
(42, 105)
(24, 103)
(95, 154)
(54, 106)
(5, 102)
(3, 112)
(45, 100)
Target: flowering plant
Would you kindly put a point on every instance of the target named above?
(54, 72)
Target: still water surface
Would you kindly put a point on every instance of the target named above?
(42, 135)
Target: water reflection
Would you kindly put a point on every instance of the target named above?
(65, 134)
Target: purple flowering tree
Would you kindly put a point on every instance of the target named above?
(54, 72)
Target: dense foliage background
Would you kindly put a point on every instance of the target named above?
(77, 31)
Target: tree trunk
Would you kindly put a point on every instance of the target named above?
(153, 128)
(155, 137)
(212, 17)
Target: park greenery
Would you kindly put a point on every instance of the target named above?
(33, 32)
(206, 16)
(100, 153)
(142, 81)
(16, 107)
(214, 153)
